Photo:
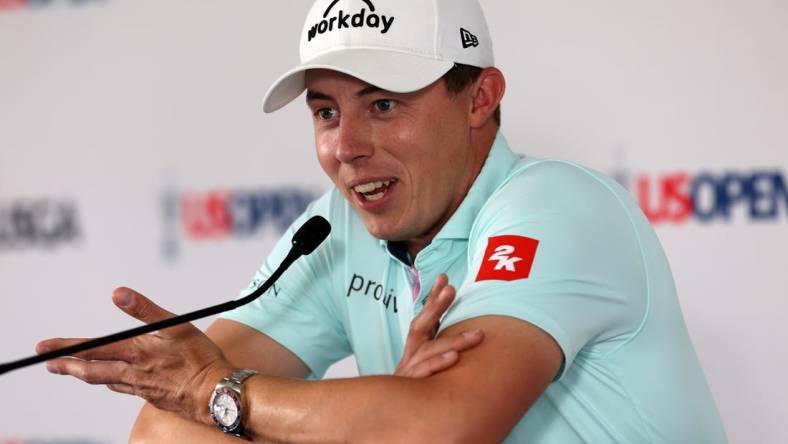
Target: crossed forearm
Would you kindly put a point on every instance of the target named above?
(367, 409)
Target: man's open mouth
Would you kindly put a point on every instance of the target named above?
(373, 191)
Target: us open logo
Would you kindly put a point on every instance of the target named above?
(342, 20)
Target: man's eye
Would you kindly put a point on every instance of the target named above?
(326, 113)
(384, 105)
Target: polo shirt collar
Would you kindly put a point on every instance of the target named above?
(496, 168)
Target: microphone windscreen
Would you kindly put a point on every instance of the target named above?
(311, 234)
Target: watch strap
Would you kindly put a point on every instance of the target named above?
(239, 376)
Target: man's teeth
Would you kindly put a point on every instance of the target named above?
(372, 186)
(374, 196)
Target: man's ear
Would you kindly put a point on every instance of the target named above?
(487, 93)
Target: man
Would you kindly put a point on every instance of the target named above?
(583, 339)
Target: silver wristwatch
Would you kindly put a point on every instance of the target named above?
(227, 403)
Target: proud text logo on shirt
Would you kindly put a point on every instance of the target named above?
(360, 286)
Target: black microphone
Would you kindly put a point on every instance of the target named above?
(305, 240)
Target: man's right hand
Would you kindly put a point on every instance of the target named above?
(424, 355)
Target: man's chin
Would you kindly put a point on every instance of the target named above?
(382, 230)
(383, 234)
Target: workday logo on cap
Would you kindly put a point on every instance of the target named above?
(341, 20)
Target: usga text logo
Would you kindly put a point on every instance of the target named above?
(38, 223)
(358, 20)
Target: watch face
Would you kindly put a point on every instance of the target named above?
(225, 409)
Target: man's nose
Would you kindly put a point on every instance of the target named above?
(354, 142)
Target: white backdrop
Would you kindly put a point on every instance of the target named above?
(133, 152)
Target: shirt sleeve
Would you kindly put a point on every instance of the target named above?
(586, 286)
(298, 312)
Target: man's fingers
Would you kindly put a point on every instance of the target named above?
(458, 343)
(439, 299)
(426, 322)
(133, 304)
(142, 308)
(122, 388)
(120, 351)
(92, 372)
(424, 325)
(53, 344)
(48, 345)
(432, 365)
(438, 354)
(139, 306)
(441, 281)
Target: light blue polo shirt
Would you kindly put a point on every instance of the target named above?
(597, 281)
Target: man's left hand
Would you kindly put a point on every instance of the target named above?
(424, 355)
(164, 368)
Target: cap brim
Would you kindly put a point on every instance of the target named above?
(389, 70)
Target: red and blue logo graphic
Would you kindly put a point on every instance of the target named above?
(202, 216)
(707, 197)
(219, 214)
(11, 5)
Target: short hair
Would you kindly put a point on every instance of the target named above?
(460, 77)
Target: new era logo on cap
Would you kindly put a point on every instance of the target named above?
(468, 39)
(507, 258)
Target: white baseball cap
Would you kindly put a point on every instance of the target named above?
(396, 45)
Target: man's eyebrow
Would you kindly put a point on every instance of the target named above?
(316, 95)
(368, 90)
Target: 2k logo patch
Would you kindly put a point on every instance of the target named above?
(507, 258)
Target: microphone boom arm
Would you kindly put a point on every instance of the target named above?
(304, 242)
